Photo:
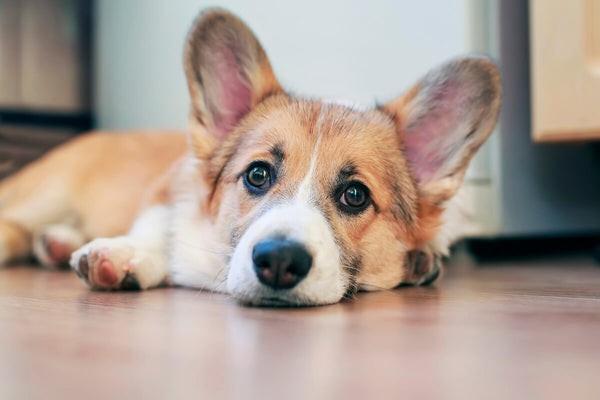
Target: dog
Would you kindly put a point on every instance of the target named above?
(275, 199)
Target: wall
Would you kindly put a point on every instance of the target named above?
(365, 51)
(361, 50)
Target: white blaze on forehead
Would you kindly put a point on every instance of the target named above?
(305, 188)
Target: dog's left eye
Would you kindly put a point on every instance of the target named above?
(258, 177)
(355, 197)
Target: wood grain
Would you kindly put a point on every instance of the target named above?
(565, 70)
(497, 331)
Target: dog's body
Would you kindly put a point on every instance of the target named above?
(274, 199)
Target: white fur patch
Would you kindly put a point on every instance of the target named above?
(304, 223)
(197, 258)
(301, 221)
(142, 252)
(128, 256)
(455, 217)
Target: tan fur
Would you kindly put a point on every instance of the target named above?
(15, 241)
(239, 114)
(369, 140)
(97, 182)
(213, 31)
(407, 108)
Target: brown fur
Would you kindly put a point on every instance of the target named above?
(240, 114)
(367, 140)
(97, 182)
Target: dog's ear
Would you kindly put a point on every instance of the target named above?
(227, 73)
(444, 119)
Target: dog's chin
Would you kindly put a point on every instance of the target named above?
(245, 288)
(257, 295)
(279, 301)
(273, 302)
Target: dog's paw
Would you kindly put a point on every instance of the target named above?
(119, 264)
(54, 245)
(109, 264)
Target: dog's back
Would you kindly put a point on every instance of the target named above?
(94, 184)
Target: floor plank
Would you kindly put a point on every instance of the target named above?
(497, 331)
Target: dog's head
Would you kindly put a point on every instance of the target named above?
(318, 199)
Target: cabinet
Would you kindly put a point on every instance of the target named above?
(565, 69)
(44, 55)
(539, 189)
(44, 77)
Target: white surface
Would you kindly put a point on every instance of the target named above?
(360, 50)
(364, 51)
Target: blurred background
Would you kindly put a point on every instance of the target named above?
(67, 66)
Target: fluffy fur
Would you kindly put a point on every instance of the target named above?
(158, 209)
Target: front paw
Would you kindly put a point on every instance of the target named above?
(107, 264)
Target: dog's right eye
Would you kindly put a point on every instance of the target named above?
(258, 177)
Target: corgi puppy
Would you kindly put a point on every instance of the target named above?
(272, 198)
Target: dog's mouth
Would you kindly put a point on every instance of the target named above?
(288, 257)
(275, 302)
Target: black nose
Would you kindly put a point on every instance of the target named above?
(280, 263)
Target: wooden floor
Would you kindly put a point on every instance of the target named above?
(495, 331)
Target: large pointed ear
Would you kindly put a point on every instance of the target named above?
(444, 119)
(227, 73)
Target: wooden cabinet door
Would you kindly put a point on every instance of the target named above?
(54, 55)
(565, 69)
(44, 55)
(10, 54)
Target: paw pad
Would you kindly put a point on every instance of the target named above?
(58, 252)
(106, 267)
(106, 273)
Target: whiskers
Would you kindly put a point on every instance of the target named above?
(352, 286)
(217, 288)
(218, 280)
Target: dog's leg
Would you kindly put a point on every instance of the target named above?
(31, 199)
(54, 244)
(137, 260)
(15, 241)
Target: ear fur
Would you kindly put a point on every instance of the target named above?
(227, 73)
(444, 119)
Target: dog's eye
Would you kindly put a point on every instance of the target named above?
(355, 196)
(258, 176)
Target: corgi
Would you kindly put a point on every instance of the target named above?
(275, 199)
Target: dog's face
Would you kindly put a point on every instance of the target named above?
(318, 199)
(322, 185)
